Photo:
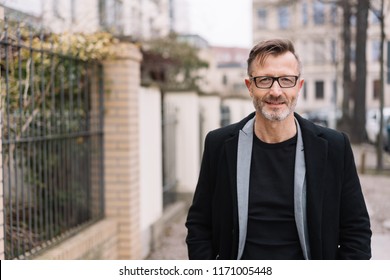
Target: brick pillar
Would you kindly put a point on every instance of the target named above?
(121, 147)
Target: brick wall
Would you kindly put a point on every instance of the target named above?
(97, 242)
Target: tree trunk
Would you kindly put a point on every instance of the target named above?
(359, 116)
(379, 148)
(345, 122)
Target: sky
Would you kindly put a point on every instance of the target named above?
(222, 22)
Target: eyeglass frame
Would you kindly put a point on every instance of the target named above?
(273, 81)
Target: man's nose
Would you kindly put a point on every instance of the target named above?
(275, 88)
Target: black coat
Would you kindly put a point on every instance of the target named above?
(337, 218)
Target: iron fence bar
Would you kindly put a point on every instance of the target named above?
(30, 198)
(36, 201)
(69, 146)
(44, 143)
(20, 125)
(79, 163)
(61, 151)
(7, 48)
(87, 126)
(16, 191)
(52, 144)
(101, 139)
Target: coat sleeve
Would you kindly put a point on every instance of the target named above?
(355, 232)
(199, 219)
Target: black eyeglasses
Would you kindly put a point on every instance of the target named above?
(265, 82)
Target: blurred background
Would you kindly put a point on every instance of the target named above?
(105, 105)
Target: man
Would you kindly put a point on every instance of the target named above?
(274, 185)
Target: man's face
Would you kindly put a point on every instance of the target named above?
(275, 103)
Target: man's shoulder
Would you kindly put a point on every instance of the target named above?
(223, 133)
(333, 136)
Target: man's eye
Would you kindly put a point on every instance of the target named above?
(286, 79)
(264, 80)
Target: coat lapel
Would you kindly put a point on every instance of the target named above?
(316, 150)
(300, 208)
(244, 156)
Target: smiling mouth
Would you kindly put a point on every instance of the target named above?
(274, 103)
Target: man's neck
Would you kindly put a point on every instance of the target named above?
(274, 131)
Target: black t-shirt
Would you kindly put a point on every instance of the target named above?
(271, 231)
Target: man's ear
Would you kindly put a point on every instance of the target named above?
(248, 85)
(301, 82)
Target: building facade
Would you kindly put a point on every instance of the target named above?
(138, 19)
(226, 72)
(315, 27)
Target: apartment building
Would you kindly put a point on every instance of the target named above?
(227, 71)
(315, 28)
(138, 19)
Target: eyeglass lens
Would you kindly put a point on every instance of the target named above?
(283, 81)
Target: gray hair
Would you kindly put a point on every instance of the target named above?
(271, 47)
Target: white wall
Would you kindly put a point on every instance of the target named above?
(239, 108)
(187, 138)
(210, 109)
(151, 208)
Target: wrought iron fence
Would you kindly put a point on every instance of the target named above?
(52, 142)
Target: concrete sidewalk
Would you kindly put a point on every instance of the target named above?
(380, 246)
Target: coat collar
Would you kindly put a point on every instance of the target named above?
(316, 155)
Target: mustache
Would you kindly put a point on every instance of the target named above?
(273, 99)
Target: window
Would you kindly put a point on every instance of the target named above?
(110, 15)
(376, 89)
(388, 62)
(353, 53)
(73, 11)
(224, 80)
(319, 90)
(239, 87)
(261, 18)
(334, 93)
(353, 20)
(376, 51)
(333, 14)
(373, 16)
(305, 16)
(319, 52)
(319, 13)
(284, 17)
(333, 51)
(57, 10)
